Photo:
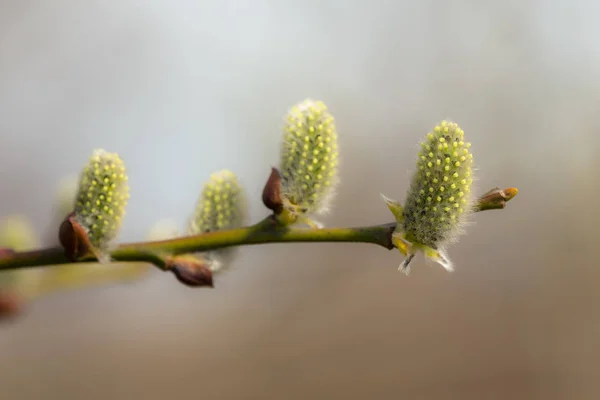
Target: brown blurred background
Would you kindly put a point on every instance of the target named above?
(180, 89)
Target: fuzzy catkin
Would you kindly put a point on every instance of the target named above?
(221, 204)
(438, 200)
(309, 157)
(102, 196)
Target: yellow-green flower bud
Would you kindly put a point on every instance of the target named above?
(222, 205)
(101, 198)
(309, 158)
(439, 198)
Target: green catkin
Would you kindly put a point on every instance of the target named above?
(101, 199)
(222, 205)
(438, 201)
(309, 158)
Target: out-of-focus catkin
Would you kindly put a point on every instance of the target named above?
(222, 205)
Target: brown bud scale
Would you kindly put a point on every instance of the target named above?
(73, 238)
(271, 195)
(191, 271)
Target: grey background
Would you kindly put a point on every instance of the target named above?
(181, 89)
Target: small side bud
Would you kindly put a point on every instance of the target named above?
(496, 199)
(309, 160)
(101, 199)
(271, 195)
(191, 271)
(395, 207)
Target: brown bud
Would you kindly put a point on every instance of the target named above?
(73, 238)
(496, 198)
(11, 305)
(191, 271)
(271, 195)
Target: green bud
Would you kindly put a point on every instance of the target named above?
(101, 198)
(309, 158)
(439, 198)
(222, 204)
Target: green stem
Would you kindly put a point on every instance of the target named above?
(266, 231)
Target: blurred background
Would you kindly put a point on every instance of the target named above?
(182, 89)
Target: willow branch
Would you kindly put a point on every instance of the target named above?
(264, 232)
